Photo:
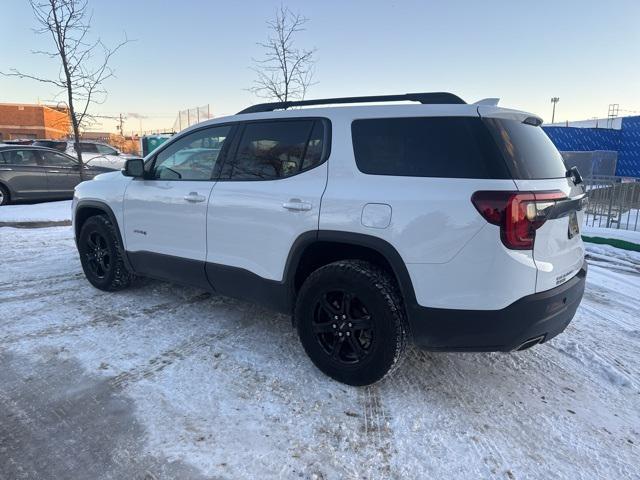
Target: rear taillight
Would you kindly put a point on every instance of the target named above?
(518, 214)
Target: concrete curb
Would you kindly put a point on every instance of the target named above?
(43, 224)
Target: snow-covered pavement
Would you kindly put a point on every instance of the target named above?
(162, 381)
(45, 213)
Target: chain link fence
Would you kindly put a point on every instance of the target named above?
(614, 202)
(191, 116)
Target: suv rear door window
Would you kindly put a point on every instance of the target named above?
(450, 147)
(88, 148)
(106, 150)
(51, 159)
(527, 150)
(61, 146)
(276, 149)
(315, 147)
(25, 158)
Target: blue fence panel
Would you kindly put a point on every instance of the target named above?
(625, 141)
(629, 151)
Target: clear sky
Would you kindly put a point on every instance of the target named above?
(189, 53)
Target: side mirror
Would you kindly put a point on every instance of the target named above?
(134, 167)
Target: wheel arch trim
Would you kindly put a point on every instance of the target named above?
(95, 204)
(377, 244)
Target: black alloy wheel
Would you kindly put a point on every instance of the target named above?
(98, 256)
(343, 326)
(101, 255)
(351, 321)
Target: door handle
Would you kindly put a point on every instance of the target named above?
(297, 205)
(53, 171)
(194, 197)
(6, 169)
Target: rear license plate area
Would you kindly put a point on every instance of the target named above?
(574, 228)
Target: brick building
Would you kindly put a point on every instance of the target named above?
(32, 121)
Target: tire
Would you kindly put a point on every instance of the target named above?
(5, 198)
(370, 342)
(101, 255)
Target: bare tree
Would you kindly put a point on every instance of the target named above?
(286, 72)
(84, 64)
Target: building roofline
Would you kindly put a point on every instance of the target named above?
(43, 105)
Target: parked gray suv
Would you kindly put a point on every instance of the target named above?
(37, 173)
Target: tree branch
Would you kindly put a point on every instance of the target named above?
(285, 72)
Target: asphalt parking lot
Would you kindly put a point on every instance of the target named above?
(162, 381)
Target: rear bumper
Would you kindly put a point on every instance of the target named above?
(539, 316)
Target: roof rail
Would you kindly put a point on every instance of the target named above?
(432, 97)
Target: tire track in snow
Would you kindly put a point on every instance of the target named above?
(446, 385)
(106, 318)
(41, 281)
(376, 429)
(171, 355)
(161, 361)
(44, 294)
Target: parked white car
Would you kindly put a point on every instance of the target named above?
(454, 226)
(93, 153)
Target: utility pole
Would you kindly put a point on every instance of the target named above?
(554, 100)
(121, 125)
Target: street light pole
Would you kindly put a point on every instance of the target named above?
(554, 100)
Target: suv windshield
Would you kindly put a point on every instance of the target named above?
(527, 150)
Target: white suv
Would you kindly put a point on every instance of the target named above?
(453, 225)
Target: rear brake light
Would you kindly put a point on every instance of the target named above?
(518, 214)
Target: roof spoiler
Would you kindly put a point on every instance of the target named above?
(491, 102)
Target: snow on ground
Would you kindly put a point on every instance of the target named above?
(162, 381)
(614, 233)
(37, 212)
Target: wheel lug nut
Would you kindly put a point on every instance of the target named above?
(348, 334)
(334, 325)
(335, 317)
(339, 334)
(350, 324)
(344, 317)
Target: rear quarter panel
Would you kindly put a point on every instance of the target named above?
(454, 257)
(432, 219)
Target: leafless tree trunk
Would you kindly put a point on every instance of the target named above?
(84, 65)
(286, 72)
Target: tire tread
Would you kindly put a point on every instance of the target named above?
(122, 277)
(387, 289)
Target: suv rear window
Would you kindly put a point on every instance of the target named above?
(451, 147)
(527, 150)
(61, 146)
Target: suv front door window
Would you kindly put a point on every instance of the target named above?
(193, 157)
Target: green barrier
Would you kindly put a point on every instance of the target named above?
(614, 242)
